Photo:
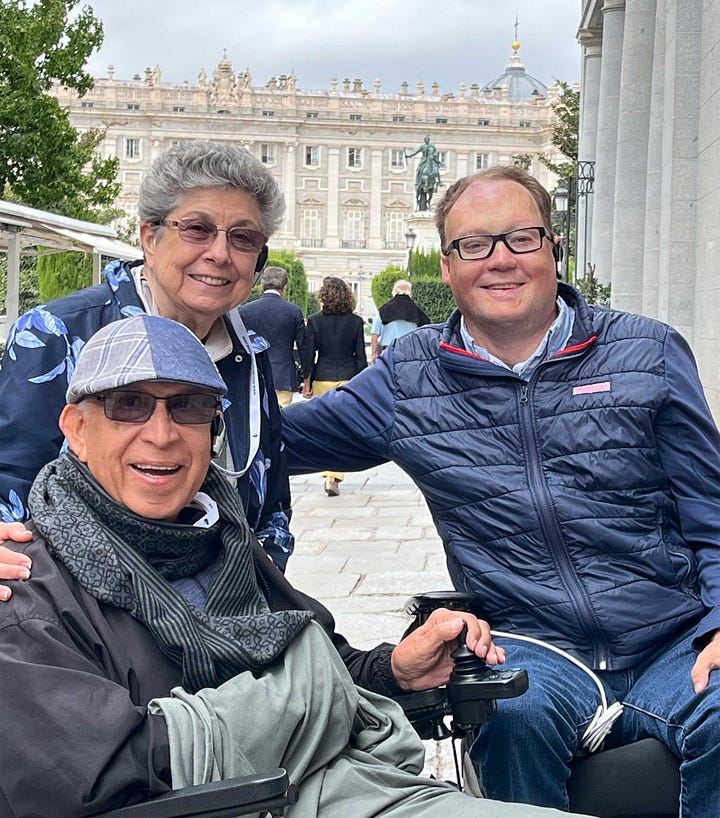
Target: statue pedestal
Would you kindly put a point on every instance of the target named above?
(423, 223)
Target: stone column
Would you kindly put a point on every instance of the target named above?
(289, 190)
(375, 240)
(333, 197)
(589, 99)
(604, 197)
(653, 185)
(706, 335)
(676, 292)
(632, 155)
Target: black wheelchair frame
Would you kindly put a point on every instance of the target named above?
(266, 794)
(639, 780)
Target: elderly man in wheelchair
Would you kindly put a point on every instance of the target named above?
(157, 648)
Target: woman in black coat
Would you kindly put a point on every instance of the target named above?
(334, 350)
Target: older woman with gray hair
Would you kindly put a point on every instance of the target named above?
(206, 213)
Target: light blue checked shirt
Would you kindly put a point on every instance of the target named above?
(555, 339)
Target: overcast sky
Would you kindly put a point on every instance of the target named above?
(448, 41)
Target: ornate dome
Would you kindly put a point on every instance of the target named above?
(519, 83)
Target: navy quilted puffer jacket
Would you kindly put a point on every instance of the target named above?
(582, 504)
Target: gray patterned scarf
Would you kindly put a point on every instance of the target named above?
(125, 560)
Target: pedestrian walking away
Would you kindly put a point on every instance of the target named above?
(334, 351)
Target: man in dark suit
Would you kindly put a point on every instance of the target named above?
(282, 325)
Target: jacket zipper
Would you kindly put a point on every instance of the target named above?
(551, 529)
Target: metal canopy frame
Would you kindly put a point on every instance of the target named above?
(25, 231)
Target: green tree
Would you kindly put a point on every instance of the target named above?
(428, 290)
(522, 160)
(434, 297)
(565, 131)
(382, 284)
(29, 296)
(426, 265)
(60, 274)
(593, 290)
(313, 305)
(44, 161)
(296, 291)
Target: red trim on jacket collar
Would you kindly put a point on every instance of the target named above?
(577, 347)
(567, 350)
(450, 348)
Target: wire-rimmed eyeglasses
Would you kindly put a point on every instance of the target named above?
(199, 231)
(522, 240)
(127, 406)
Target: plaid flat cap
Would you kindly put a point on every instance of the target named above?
(142, 348)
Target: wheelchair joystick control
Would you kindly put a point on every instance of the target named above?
(469, 696)
(474, 685)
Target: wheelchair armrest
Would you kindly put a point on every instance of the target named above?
(249, 794)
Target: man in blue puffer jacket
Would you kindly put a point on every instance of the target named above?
(572, 468)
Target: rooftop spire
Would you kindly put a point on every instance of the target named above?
(516, 42)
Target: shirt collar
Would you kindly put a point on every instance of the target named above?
(555, 339)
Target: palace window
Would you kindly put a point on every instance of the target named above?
(397, 158)
(395, 229)
(132, 148)
(354, 228)
(310, 227)
(482, 161)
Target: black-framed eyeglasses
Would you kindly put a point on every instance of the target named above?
(199, 231)
(127, 406)
(522, 240)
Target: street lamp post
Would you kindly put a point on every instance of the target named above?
(359, 289)
(410, 237)
(585, 187)
(564, 205)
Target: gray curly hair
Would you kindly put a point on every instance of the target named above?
(188, 166)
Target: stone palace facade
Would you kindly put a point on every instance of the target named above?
(338, 154)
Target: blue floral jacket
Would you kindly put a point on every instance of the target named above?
(39, 360)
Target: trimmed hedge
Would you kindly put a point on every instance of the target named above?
(428, 290)
(434, 297)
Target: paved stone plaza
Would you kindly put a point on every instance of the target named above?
(363, 554)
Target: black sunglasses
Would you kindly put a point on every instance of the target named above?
(137, 407)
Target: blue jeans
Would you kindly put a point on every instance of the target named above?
(524, 751)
